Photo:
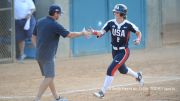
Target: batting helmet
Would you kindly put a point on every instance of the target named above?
(120, 8)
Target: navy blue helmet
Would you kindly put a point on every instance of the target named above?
(120, 8)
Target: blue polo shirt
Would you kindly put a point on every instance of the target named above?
(48, 32)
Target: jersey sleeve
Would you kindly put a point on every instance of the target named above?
(134, 28)
(106, 26)
(62, 31)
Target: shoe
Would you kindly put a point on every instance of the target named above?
(140, 78)
(61, 99)
(99, 94)
(22, 57)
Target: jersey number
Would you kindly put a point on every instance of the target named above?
(118, 39)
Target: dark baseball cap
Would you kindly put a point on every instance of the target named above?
(55, 8)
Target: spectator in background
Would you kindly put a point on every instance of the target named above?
(24, 24)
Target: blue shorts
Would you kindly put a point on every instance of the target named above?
(22, 34)
(47, 68)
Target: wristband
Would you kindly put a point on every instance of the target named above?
(95, 33)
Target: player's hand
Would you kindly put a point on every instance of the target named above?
(92, 31)
(95, 32)
(86, 33)
(137, 41)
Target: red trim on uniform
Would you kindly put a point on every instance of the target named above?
(121, 62)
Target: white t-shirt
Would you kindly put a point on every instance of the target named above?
(22, 8)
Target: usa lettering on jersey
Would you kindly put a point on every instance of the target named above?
(118, 32)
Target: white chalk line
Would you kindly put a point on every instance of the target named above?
(85, 90)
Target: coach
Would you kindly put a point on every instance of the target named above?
(47, 33)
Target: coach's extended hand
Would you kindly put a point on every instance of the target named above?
(86, 33)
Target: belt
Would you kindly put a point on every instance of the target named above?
(118, 48)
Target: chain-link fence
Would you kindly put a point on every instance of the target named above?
(7, 43)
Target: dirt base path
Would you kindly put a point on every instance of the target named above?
(77, 78)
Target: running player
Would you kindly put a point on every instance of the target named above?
(120, 29)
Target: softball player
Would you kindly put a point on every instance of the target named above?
(120, 29)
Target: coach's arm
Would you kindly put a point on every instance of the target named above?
(77, 34)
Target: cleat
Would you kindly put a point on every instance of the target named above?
(140, 78)
(99, 94)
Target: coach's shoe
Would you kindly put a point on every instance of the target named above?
(140, 78)
(99, 94)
